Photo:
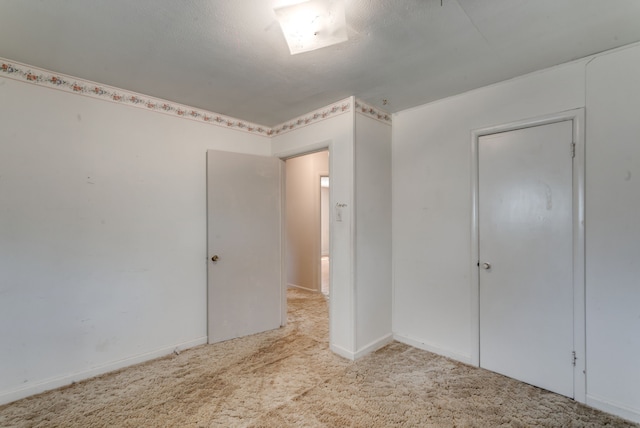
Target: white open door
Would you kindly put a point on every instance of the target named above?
(526, 255)
(244, 275)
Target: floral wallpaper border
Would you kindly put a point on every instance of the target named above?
(370, 111)
(34, 75)
(22, 72)
(334, 109)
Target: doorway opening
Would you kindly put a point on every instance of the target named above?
(307, 252)
(251, 246)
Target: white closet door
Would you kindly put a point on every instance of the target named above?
(526, 253)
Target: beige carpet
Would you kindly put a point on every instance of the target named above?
(288, 377)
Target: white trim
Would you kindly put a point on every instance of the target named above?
(342, 352)
(577, 117)
(332, 235)
(613, 408)
(283, 253)
(307, 149)
(374, 346)
(60, 381)
(431, 347)
(319, 254)
(354, 234)
(579, 265)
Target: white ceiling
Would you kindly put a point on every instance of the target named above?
(230, 57)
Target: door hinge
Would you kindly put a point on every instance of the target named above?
(573, 150)
(574, 358)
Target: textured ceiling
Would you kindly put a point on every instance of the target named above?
(230, 57)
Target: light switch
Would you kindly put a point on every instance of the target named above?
(339, 208)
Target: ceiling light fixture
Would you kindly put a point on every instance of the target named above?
(313, 24)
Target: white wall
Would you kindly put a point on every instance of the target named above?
(335, 132)
(432, 214)
(613, 232)
(359, 163)
(102, 225)
(102, 234)
(303, 243)
(432, 200)
(373, 233)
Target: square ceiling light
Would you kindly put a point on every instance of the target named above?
(313, 24)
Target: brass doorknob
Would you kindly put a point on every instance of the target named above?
(214, 258)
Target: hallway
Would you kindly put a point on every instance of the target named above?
(324, 272)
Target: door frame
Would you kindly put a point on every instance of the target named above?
(284, 155)
(319, 243)
(577, 116)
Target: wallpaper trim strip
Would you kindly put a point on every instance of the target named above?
(34, 75)
(372, 112)
(334, 109)
(37, 76)
(331, 110)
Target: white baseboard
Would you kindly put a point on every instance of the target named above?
(614, 408)
(436, 349)
(371, 347)
(59, 381)
(374, 346)
(300, 287)
(343, 352)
